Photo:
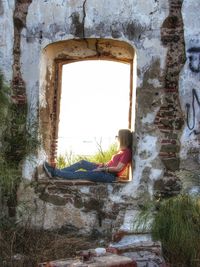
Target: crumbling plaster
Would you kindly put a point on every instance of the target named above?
(78, 208)
(6, 38)
(134, 22)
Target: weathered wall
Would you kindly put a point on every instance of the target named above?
(165, 37)
(6, 37)
(135, 22)
(189, 88)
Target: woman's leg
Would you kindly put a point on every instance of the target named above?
(85, 175)
(82, 164)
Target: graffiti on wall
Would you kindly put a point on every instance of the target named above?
(191, 112)
(194, 59)
(191, 120)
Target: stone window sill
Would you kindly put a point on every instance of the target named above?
(75, 182)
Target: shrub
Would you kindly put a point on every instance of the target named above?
(177, 226)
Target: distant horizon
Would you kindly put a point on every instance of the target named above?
(84, 146)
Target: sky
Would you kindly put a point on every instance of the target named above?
(94, 105)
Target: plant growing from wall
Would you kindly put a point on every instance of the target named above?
(4, 99)
(16, 143)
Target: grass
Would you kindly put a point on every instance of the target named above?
(35, 246)
(99, 157)
(176, 223)
(4, 100)
(9, 178)
(17, 141)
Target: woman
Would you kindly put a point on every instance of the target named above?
(97, 172)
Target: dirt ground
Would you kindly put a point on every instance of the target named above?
(22, 247)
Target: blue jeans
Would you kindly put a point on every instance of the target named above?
(72, 172)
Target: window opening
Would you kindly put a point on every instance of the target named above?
(96, 101)
(54, 57)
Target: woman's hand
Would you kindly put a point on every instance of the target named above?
(99, 169)
(116, 169)
(101, 165)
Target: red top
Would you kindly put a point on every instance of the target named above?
(124, 156)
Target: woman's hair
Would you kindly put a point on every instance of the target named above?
(125, 138)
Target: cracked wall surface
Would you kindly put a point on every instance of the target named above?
(166, 40)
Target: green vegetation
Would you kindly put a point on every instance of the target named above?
(10, 177)
(176, 223)
(4, 100)
(17, 141)
(27, 247)
(99, 157)
(19, 138)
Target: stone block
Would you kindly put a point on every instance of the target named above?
(168, 186)
(171, 164)
(170, 148)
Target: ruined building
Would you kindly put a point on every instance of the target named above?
(160, 39)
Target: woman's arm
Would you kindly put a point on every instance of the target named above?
(116, 169)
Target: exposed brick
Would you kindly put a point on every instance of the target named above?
(168, 141)
(171, 90)
(171, 135)
(167, 155)
(167, 123)
(170, 148)
(169, 120)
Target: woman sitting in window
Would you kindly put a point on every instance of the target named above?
(97, 172)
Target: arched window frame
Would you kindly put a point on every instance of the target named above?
(54, 57)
